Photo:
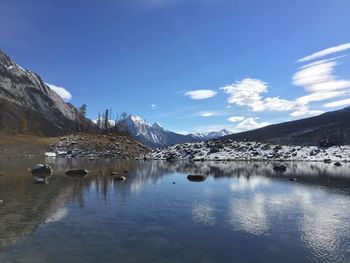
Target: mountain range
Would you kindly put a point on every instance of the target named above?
(154, 135)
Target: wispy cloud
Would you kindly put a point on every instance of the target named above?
(207, 114)
(338, 103)
(305, 111)
(62, 92)
(325, 52)
(236, 119)
(153, 106)
(200, 94)
(250, 124)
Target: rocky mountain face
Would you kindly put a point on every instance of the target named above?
(27, 104)
(154, 135)
(331, 128)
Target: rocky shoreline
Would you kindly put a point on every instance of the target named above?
(229, 150)
(97, 146)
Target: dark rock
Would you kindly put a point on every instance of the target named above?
(337, 164)
(119, 178)
(196, 177)
(327, 160)
(292, 179)
(77, 173)
(41, 169)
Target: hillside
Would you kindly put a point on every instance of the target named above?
(28, 105)
(331, 126)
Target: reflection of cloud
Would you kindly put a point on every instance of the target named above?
(57, 215)
(323, 230)
(250, 215)
(244, 183)
(203, 213)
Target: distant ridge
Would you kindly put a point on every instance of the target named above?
(154, 135)
(331, 126)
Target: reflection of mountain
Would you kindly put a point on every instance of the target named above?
(27, 205)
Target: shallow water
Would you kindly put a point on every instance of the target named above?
(243, 212)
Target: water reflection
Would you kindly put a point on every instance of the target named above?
(238, 202)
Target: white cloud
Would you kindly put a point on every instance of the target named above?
(153, 106)
(319, 78)
(236, 119)
(304, 110)
(62, 92)
(248, 92)
(200, 94)
(207, 114)
(325, 52)
(338, 103)
(250, 124)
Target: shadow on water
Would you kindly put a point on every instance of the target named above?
(241, 205)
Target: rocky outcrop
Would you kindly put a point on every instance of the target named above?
(98, 146)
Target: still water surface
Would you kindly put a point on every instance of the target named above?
(243, 212)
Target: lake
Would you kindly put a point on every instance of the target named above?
(242, 212)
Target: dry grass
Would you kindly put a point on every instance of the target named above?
(20, 139)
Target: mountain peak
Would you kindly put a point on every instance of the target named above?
(156, 125)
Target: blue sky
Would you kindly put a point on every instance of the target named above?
(188, 64)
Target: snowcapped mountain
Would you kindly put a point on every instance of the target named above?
(211, 135)
(27, 103)
(154, 135)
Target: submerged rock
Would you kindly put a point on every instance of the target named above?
(77, 173)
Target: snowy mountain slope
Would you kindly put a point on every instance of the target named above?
(211, 135)
(154, 135)
(25, 100)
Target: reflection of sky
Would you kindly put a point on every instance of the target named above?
(203, 213)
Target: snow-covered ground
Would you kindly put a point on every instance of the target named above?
(249, 151)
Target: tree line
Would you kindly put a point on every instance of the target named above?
(104, 124)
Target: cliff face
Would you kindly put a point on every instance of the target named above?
(27, 104)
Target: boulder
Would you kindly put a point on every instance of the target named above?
(196, 177)
(337, 164)
(41, 169)
(77, 173)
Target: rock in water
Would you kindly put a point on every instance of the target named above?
(196, 177)
(337, 164)
(119, 178)
(77, 173)
(41, 169)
